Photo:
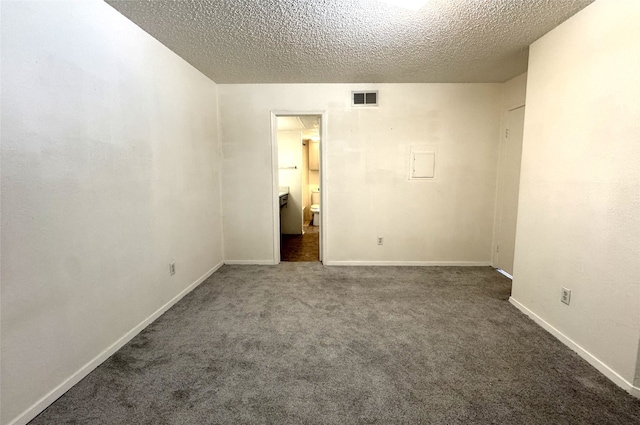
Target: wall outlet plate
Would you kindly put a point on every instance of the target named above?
(380, 240)
(172, 269)
(565, 297)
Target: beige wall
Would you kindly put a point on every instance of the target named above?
(110, 171)
(366, 157)
(579, 208)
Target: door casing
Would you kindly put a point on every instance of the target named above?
(323, 187)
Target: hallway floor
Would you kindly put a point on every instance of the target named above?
(301, 248)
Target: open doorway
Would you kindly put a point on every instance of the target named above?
(297, 140)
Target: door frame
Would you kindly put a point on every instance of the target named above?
(274, 180)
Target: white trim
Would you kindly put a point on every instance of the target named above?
(590, 358)
(36, 408)
(275, 189)
(504, 273)
(251, 262)
(324, 205)
(409, 263)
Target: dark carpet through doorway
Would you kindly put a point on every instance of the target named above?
(301, 343)
(304, 247)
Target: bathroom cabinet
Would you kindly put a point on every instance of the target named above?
(314, 154)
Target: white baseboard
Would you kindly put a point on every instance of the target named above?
(593, 360)
(36, 408)
(502, 272)
(250, 262)
(408, 263)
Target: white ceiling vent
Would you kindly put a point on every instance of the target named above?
(364, 98)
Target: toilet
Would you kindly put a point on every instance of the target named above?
(315, 207)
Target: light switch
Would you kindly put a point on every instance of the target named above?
(423, 165)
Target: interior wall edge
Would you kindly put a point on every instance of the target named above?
(513, 97)
(219, 171)
(578, 225)
(602, 367)
(35, 409)
(499, 161)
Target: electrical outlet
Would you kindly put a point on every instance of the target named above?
(566, 296)
(380, 240)
(172, 269)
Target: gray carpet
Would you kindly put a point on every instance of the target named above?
(300, 343)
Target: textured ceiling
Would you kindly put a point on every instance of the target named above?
(350, 41)
(308, 124)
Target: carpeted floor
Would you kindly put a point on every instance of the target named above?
(301, 343)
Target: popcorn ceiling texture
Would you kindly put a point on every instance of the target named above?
(351, 41)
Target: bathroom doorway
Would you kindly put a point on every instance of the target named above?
(298, 230)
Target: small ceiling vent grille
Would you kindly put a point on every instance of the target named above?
(364, 98)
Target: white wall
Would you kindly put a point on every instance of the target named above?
(367, 163)
(579, 206)
(110, 170)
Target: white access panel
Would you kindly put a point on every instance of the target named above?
(423, 165)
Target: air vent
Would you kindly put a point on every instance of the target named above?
(364, 98)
